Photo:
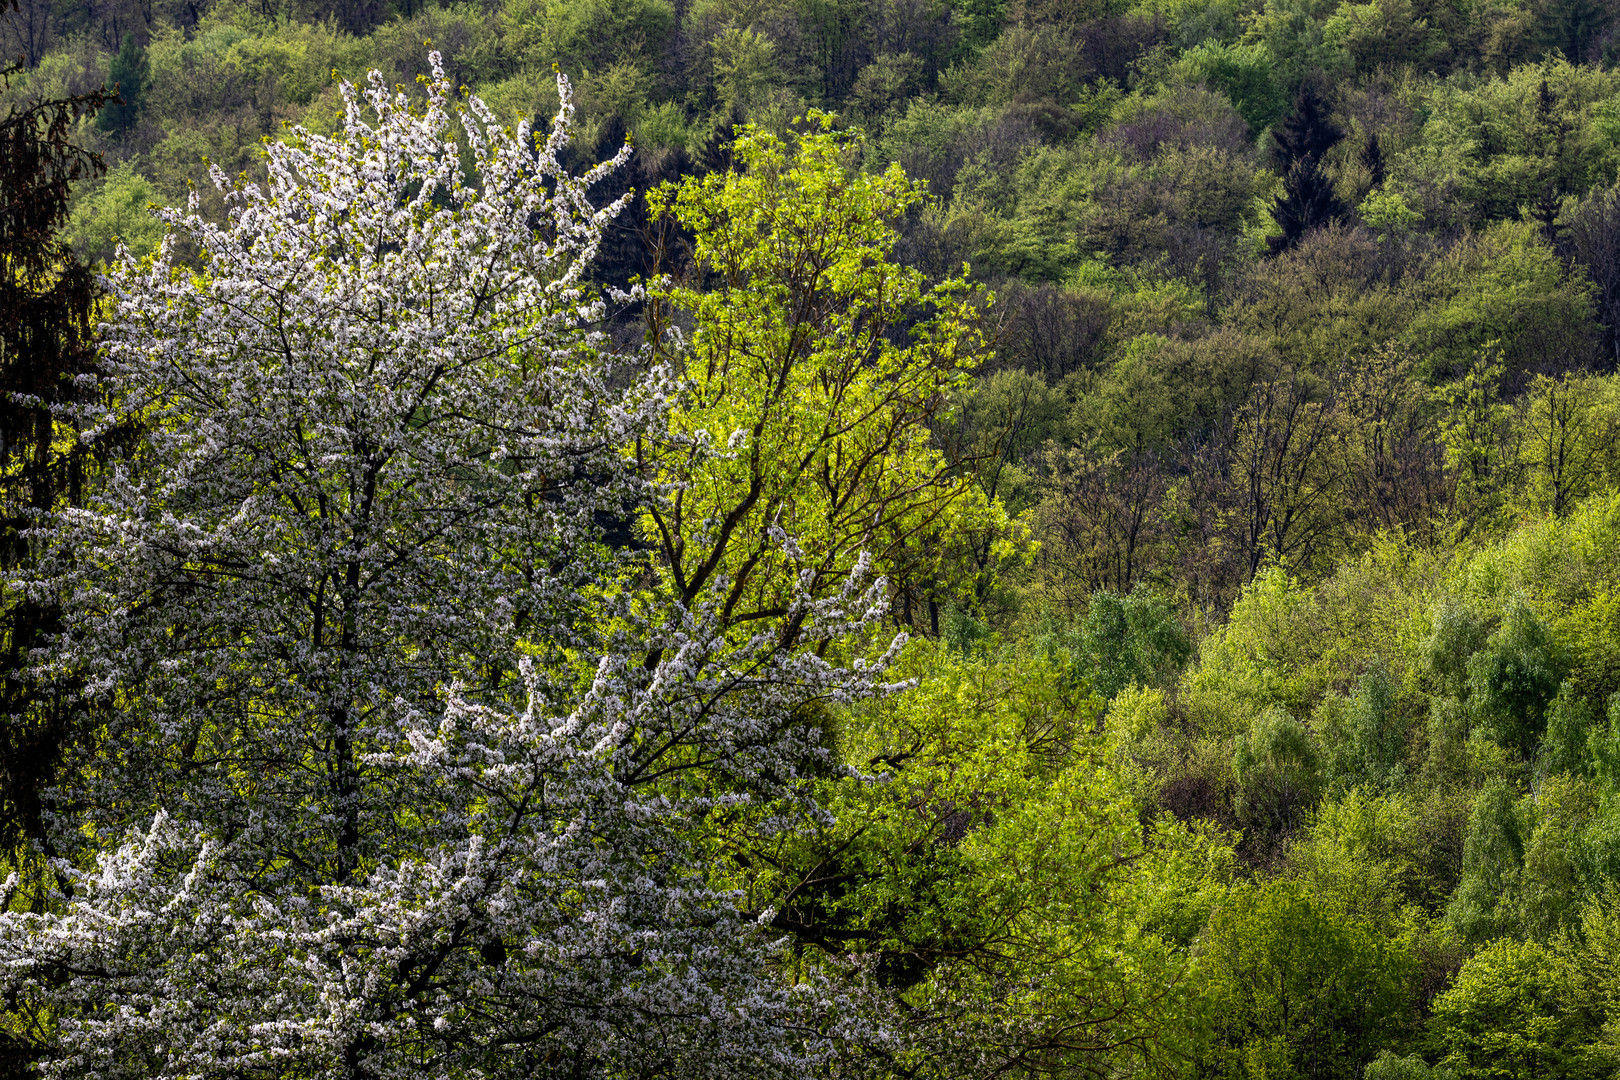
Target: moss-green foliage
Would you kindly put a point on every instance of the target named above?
(1245, 74)
(1390, 1066)
(1368, 731)
(588, 36)
(1122, 642)
(1491, 147)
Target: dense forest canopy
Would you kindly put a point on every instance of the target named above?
(917, 538)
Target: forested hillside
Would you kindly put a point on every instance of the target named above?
(915, 538)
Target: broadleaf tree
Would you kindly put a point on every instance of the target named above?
(823, 360)
(1000, 877)
(402, 768)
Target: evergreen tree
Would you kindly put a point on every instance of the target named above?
(1372, 159)
(1572, 27)
(129, 74)
(1551, 145)
(1308, 201)
(46, 302)
(1307, 133)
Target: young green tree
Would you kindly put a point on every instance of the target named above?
(1295, 988)
(1480, 442)
(1131, 640)
(815, 361)
(1493, 860)
(1593, 959)
(1368, 741)
(1508, 1017)
(1570, 423)
(116, 213)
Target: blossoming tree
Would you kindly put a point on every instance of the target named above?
(402, 770)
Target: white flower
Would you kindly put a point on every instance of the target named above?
(338, 827)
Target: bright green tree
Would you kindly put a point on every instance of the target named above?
(815, 362)
(1296, 989)
(1515, 677)
(116, 213)
(1508, 1017)
(1131, 640)
(996, 876)
(1244, 73)
(1493, 856)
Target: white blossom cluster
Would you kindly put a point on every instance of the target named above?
(399, 772)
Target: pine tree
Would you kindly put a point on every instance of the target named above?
(129, 74)
(46, 302)
(47, 298)
(1307, 133)
(1552, 138)
(1308, 201)
(1372, 159)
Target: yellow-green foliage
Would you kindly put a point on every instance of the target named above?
(805, 413)
(1378, 857)
(1294, 987)
(1289, 644)
(1508, 1015)
(1505, 285)
(995, 863)
(1568, 572)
